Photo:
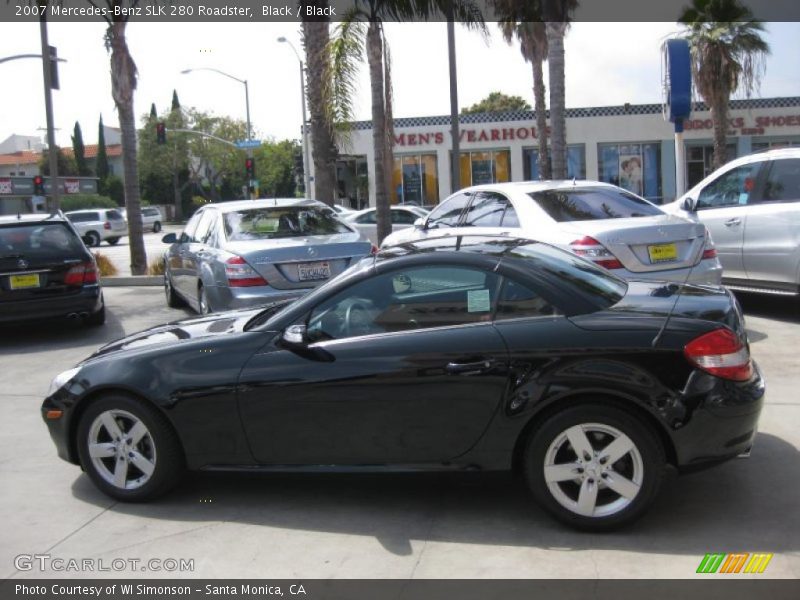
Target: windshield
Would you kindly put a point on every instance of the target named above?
(590, 204)
(281, 222)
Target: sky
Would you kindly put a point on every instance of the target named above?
(607, 64)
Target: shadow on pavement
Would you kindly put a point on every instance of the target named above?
(741, 505)
(779, 308)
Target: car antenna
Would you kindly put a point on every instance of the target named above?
(573, 181)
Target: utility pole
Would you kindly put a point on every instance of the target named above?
(48, 106)
(455, 158)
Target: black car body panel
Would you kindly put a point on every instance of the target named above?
(453, 397)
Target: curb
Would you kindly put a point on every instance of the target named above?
(132, 280)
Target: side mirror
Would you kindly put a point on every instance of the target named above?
(689, 205)
(419, 223)
(170, 238)
(295, 335)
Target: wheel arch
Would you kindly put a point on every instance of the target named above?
(590, 397)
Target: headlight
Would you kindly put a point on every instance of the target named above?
(61, 379)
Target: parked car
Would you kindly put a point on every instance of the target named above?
(151, 218)
(46, 271)
(453, 353)
(402, 216)
(99, 224)
(751, 206)
(250, 252)
(604, 223)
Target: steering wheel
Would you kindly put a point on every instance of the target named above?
(357, 320)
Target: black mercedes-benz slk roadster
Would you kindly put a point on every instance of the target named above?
(459, 352)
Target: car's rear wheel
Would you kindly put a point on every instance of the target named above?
(128, 449)
(173, 300)
(156, 227)
(113, 241)
(202, 300)
(92, 239)
(594, 467)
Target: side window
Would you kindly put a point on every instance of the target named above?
(783, 181)
(729, 189)
(418, 298)
(403, 217)
(517, 301)
(510, 218)
(486, 210)
(448, 213)
(191, 227)
(203, 227)
(367, 218)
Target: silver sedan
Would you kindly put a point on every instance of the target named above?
(250, 252)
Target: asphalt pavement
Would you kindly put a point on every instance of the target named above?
(388, 526)
(120, 254)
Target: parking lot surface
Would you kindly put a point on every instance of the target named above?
(388, 526)
(120, 254)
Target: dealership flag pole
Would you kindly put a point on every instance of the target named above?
(455, 155)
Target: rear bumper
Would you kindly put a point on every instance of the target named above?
(707, 272)
(88, 300)
(723, 425)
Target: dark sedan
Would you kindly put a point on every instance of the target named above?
(454, 353)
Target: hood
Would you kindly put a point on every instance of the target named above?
(208, 326)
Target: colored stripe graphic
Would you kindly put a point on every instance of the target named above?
(710, 563)
(735, 562)
(758, 562)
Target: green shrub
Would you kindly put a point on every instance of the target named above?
(81, 201)
(115, 189)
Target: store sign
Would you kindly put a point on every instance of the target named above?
(467, 135)
(6, 186)
(742, 126)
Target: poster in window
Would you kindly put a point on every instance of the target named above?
(412, 184)
(482, 172)
(630, 172)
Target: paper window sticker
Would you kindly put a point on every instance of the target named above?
(478, 301)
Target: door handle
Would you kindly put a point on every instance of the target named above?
(732, 222)
(470, 368)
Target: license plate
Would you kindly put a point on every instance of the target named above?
(662, 253)
(21, 282)
(312, 271)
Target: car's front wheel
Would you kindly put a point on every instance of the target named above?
(156, 227)
(202, 301)
(173, 300)
(92, 239)
(594, 467)
(128, 449)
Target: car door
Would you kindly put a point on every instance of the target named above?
(177, 253)
(722, 206)
(402, 367)
(195, 252)
(772, 231)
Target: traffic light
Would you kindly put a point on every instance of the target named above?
(161, 133)
(250, 168)
(53, 67)
(38, 185)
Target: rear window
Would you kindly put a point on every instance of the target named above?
(590, 204)
(114, 215)
(281, 222)
(39, 240)
(83, 217)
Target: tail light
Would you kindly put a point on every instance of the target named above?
(721, 353)
(240, 274)
(709, 251)
(82, 274)
(107, 225)
(590, 248)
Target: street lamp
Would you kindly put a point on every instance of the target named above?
(306, 160)
(229, 76)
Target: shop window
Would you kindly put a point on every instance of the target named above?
(576, 162)
(634, 167)
(489, 166)
(415, 180)
(700, 161)
(761, 145)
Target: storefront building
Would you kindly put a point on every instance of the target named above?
(630, 145)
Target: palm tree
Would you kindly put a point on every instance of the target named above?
(360, 30)
(728, 54)
(123, 85)
(316, 37)
(522, 19)
(556, 14)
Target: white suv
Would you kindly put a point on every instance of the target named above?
(96, 225)
(751, 206)
(151, 218)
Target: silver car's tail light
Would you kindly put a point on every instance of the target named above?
(240, 274)
(709, 251)
(590, 248)
(721, 353)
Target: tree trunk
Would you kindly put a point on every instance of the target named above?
(375, 59)
(323, 148)
(123, 84)
(540, 108)
(555, 63)
(719, 115)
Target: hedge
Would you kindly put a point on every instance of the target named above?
(80, 201)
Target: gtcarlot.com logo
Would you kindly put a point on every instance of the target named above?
(46, 562)
(736, 562)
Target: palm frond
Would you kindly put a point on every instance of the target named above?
(340, 88)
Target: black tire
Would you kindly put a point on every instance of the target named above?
(161, 442)
(173, 300)
(113, 241)
(156, 227)
(203, 308)
(543, 444)
(98, 318)
(92, 239)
